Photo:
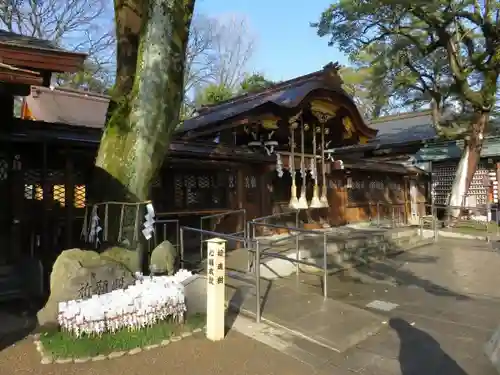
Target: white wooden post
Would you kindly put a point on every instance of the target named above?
(216, 270)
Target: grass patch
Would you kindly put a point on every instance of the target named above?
(63, 345)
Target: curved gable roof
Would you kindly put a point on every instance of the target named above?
(288, 94)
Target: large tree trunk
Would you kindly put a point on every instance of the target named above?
(152, 37)
(152, 41)
(467, 166)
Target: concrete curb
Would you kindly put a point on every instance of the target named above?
(48, 359)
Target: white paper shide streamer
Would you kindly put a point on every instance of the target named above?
(148, 301)
(95, 228)
(149, 222)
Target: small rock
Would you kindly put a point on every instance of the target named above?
(46, 360)
(62, 361)
(98, 358)
(116, 355)
(197, 330)
(150, 347)
(165, 342)
(135, 351)
(186, 334)
(81, 360)
(175, 338)
(36, 336)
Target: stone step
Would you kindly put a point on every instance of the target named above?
(342, 253)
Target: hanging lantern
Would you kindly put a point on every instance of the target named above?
(255, 142)
(303, 200)
(315, 201)
(270, 144)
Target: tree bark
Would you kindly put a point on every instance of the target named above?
(152, 38)
(467, 166)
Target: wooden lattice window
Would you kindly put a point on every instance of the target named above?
(200, 190)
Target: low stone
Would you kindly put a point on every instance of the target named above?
(175, 338)
(116, 355)
(165, 342)
(63, 361)
(150, 347)
(99, 358)
(135, 351)
(127, 258)
(36, 336)
(186, 334)
(163, 258)
(78, 274)
(46, 360)
(82, 360)
(197, 330)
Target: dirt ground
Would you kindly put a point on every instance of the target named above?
(236, 355)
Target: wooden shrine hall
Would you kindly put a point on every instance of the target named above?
(295, 123)
(261, 152)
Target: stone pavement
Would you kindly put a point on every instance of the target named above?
(442, 307)
(335, 325)
(236, 355)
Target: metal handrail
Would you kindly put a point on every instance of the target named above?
(167, 221)
(258, 252)
(297, 260)
(223, 214)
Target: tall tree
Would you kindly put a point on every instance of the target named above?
(77, 25)
(218, 52)
(217, 93)
(233, 46)
(254, 83)
(152, 39)
(465, 33)
(213, 94)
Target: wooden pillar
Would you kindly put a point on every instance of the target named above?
(407, 199)
(265, 195)
(69, 198)
(240, 200)
(46, 202)
(16, 182)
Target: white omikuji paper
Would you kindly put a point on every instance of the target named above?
(148, 301)
(150, 210)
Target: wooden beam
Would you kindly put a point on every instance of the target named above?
(41, 59)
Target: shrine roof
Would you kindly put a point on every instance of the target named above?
(405, 127)
(18, 40)
(37, 54)
(287, 94)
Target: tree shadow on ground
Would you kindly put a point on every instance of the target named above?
(362, 266)
(420, 353)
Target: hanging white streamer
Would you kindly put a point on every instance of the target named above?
(312, 170)
(279, 166)
(149, 222)
(95, 228)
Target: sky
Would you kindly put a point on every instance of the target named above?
(286, 46)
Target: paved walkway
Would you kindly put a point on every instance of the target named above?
(236, 355)
(439, 304)
(445, 307)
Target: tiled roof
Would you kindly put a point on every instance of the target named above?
(7, 37)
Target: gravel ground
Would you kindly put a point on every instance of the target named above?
(236, 355)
